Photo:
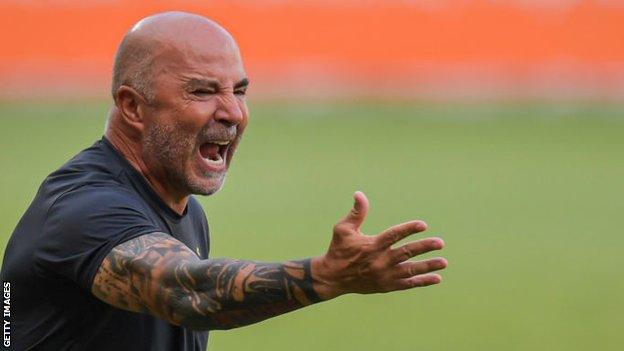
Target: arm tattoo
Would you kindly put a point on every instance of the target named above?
(157, 274)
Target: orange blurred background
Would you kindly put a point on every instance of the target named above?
(403, 49)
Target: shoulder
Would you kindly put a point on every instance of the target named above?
(83, 225)
(100, 196)
(99, 159)
(95, 166)
(95, 210)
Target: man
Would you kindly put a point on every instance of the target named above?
(113, 252)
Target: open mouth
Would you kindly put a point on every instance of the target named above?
(214, 153)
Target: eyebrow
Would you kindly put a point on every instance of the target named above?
(213, 83)
(242, 83)
(195, 82)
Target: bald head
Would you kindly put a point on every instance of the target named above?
(139, 53)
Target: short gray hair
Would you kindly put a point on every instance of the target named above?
(133, 67)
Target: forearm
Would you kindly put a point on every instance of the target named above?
(224, 293)
(157, 274)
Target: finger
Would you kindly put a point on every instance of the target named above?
(415, 248)
(418, 281)
(358, 212)
(410, 269)
(399, 232)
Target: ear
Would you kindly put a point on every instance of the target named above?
(131, 105)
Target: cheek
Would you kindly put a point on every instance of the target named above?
(195, 115)
(245, 115)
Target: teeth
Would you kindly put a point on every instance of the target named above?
(217, 162)
(221, 142)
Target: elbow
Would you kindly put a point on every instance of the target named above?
(186, 301)
(190, 310)
(200, 322)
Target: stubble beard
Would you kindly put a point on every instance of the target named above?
(173, 150)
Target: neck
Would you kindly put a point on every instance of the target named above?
(131, 151)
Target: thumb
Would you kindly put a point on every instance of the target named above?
(358, 213)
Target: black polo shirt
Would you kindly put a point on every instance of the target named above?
(91, 204)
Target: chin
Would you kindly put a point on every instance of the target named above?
(207, 187)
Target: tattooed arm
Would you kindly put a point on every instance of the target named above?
(157, 274)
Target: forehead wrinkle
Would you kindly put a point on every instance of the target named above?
(175, 62)
(184, 61)
(199, 82)
(204, 64)
(195, 56)
(223, 73)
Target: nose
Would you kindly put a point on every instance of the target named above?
(229, 111)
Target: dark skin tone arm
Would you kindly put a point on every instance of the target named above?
(157, 274)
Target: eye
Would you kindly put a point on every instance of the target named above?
(241, 92)
(202, 92)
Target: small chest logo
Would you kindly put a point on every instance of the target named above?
(197, 250)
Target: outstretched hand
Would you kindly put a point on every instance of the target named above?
(358, 263)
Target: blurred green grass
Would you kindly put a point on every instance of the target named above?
(528, 197)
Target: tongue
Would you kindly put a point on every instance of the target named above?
(209, 151)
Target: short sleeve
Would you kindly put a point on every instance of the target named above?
(83, 226)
